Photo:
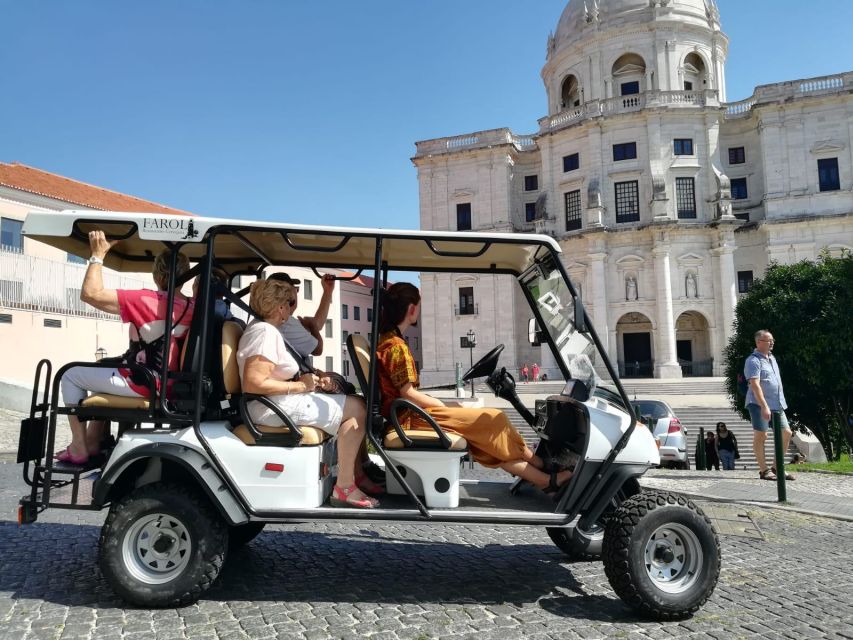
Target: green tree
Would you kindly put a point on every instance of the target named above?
(808, 306)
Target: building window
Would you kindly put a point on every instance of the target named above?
(531, 183)
(72, 259)
(463, 216)
(53, 324)
(571, 162)
(683, 146)
(630, 88)
(356, 313)
(573, 210)
(685, 196)
(10, 235)
(530, 211)
(307, 289)
(344, 312)
(737, 155)
(328, 328)
(369, 338)
(466, 301)
(624, 151)
(628, 201)
(330, 363)
(344, 336)
(744, 281)
(5, 318)
(827, 173)
(739, 190)
(688, 86)
(346, 368)
(369, 314)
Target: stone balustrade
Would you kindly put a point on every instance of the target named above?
(791, 90)
(478, 140)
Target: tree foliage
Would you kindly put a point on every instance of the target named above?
(808, 306)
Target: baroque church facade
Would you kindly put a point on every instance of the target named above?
(667, 200)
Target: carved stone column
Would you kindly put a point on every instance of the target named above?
(726, 281)
(598, 282)
(666, 364)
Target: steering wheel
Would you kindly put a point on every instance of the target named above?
(485, 365)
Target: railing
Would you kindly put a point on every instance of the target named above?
(783, 91)
(622, 104)
(636, 369)
(49, 286)
(477, 140)
(467, 310)
(735, 109)
(697, 368)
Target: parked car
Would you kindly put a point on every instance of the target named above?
(668, 431)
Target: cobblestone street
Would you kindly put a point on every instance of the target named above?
(393, 581)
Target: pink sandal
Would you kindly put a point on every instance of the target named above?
(368, 486)
(341, 497)
(67, 456)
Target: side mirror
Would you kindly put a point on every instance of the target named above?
(580, 316)
(534, 335)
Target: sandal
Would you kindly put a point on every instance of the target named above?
(767, 474)
(342, 497)
(553, 485)
(67, 456)
(368, 486)
(788, 476)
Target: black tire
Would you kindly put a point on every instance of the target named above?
(242, 534)
(162, 545)
(683, 466)
(580, 545)
(668, 536)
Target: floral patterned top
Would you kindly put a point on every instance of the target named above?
(396, 368)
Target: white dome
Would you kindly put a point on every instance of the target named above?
(580, 14)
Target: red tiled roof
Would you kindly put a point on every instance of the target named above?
(364, 281)
(43, 183)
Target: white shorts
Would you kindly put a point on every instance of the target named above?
(78, 382)
(322, 410)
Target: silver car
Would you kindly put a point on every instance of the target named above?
(667, 430)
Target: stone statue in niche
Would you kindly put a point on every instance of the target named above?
(631, 288)
(690, 285)
(593, 194)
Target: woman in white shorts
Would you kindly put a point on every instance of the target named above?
(267, 368)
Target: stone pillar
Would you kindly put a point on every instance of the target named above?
(726, 282)
(598, 282)
(666, 364)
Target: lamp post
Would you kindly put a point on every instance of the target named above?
(472, 342)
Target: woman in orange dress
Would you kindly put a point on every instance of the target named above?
(492, 440)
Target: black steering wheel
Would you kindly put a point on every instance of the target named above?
(485, 366)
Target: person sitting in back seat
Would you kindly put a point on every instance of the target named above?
(145, 310)
(492, 440)
(267, 368)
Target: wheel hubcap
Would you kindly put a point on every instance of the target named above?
(673, 558)
(157, 548)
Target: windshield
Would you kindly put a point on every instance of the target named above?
(550, 293)
(654, 410)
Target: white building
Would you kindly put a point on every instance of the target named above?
(667, 200)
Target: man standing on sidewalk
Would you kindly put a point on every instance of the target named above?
(765, 399)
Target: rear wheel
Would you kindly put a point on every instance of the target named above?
(586, 545)
(162, 545)
(661, 555)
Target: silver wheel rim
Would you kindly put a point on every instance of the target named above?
(157, 548)
(673, 558)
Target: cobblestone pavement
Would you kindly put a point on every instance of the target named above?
(407, 581)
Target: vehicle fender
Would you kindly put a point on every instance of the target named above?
(189, 459)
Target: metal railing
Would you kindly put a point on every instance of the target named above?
(467, 310)
(636, 369)
(697, 368)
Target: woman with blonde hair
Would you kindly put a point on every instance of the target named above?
(267, 368)
(492, 440)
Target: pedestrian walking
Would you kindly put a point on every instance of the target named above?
(535, 372)
(712, 459)
(524, 372)
(726, 447)
(765, 400)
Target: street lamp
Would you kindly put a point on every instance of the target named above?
(100, 354)
(472, 342)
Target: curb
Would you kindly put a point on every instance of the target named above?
(764, 505)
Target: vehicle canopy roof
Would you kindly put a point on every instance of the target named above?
(242, 245)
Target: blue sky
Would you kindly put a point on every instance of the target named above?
(308, 111)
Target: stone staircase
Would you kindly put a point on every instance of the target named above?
(641, 388)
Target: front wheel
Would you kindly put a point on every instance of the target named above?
(661, 555)
(162, 545)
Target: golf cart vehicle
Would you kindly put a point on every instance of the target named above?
(191, 476)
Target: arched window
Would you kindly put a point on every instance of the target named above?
(570, 95)
(628, 73)
(695, 76)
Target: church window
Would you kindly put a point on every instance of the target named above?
(466, 301)
(571, 162)
(688, 86)
(529, 211)
(630, 88)
(737, 155)
(628, 201)
(573, 210)
(531, 183)
(827, 172)
(685, 194)
(739, 189)
(683, 146)
(744, 281)
(624, 151)
(463, 216)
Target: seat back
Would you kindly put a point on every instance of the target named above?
(359, 353)
(231, 334)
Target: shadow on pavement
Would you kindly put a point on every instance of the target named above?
(58, 563)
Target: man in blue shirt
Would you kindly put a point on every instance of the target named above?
(765, 399)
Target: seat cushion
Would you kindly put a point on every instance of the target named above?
(392, 440)
(311, 436)
(109, 401)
